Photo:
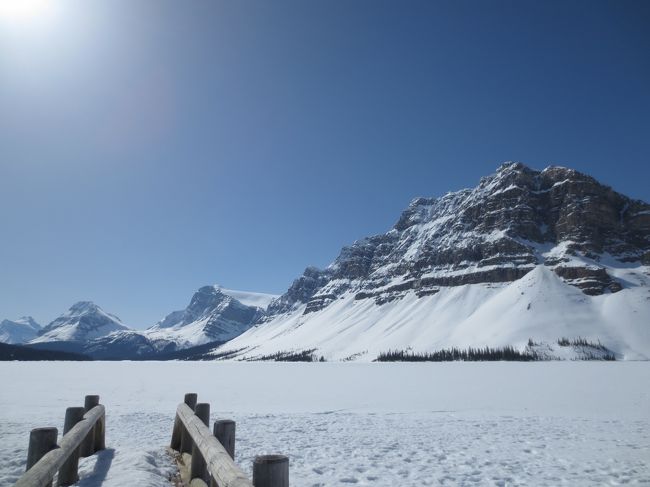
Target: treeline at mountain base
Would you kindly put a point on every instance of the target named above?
(489, 354)
(454, 354)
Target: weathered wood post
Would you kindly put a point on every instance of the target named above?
(190, 399)
(68, 474)
(198, 469)
(271, 471)
(224, 431)
(100, 434)
(88, 445)
(41, 441)
(186, 441)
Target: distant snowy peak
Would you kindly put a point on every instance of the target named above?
(209, 297)
(82, 322)
(214, 314)
(18, 331)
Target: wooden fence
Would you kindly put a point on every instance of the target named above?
(208, 456)
(84, 432)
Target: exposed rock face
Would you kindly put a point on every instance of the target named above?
(301, 291)
(497, 232)
(592, 280)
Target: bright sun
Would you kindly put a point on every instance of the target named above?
(21, 10)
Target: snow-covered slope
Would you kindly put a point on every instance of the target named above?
(539, 306)
(248, 298)
(84, 321)
(370, 425)
(526, 254)
(18, 331)
(214, 314)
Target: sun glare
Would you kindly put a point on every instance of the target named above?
(24, 10)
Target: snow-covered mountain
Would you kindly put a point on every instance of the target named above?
(525, 254)
(84, 321)
(18, 331)
(214, 314)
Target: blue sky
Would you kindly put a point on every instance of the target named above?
(148, 148)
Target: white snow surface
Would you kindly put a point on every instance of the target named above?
(540, 306)
(259, 300)
(185, 335)
(497, 424)
(18, 331)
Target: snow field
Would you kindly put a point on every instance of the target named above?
(540, 306)
(557, 423)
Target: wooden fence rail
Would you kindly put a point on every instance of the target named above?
(211, 456)
(83, 434)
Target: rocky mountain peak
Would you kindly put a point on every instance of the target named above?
(512, 221)
(525, 253)
(213, 314)
(207, 296)
(83, 307)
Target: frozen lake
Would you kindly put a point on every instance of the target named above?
(380, 424)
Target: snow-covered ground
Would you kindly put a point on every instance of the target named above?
(380, 424)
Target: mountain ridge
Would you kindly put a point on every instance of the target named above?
(451, 271)
(214, 314)
(588, 236)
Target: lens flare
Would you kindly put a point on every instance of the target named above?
(21, 10)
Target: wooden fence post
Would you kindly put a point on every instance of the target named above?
(99, 438)
(177, 433)
(65, 458)
(68, 474)
(224, 431)
(190, 399)
(186, 442)
(271, 471)
(198, 469)
(88, 445)
(41, 441)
